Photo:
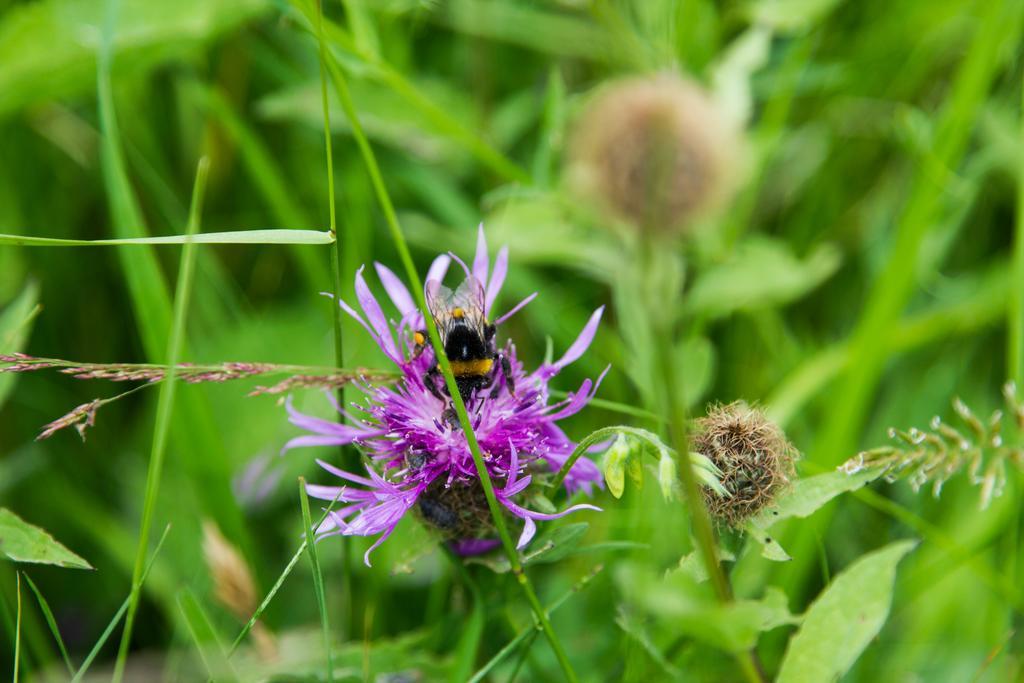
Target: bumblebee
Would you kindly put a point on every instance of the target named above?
(469, 341)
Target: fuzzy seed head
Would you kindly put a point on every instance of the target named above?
(656, 151)
(753, 454)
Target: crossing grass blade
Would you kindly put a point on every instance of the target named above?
(268, 236)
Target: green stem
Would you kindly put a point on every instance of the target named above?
(336, 258)
(165, 407)
(398, 238)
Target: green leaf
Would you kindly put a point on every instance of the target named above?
(15, 325)
(688, 606)
(845, 617)
(802, 499)
(668, 475)
(22, 542)
(761, 273)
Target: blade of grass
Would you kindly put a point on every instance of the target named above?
(17, 631)
(165, 407)
(51, 622)
(318, 577)
(268, 236)
(277, 586)
(416, 283)
(403, 87)
(82, 670)
(210, 649)
(530, 632)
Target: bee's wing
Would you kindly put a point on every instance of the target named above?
(439, 302)
(470, 297)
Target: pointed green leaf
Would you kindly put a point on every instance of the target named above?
(22, 542)
(844, 618)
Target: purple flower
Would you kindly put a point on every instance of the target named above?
(418, 454)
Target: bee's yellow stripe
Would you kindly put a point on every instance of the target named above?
(462, 368)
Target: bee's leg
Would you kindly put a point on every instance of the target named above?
(506, 369)
(430, 379)
(420, 339)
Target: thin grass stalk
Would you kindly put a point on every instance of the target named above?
(165, 407)
(398, 238)
(336, 259)
(318, 577)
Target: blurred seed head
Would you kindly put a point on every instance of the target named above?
(234, 586)
(656, 151)
(753, 454)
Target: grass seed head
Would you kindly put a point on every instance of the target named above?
(753, 454)
(656, 151)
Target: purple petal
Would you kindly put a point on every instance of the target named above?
(480, 262)
(439, 268)
(515, 309)
(377, 319)
(396, 289)
(345, 475)
(376, 544)
(529, 529)
(497, 279)
(582, 342)
(327, 427)
(531, 514)
(462, 263)
(302, 441)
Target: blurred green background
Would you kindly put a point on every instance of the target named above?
(859, 280)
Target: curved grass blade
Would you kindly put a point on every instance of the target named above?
(266, 236)
(51, 622)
